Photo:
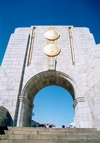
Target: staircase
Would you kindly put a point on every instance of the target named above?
(50, 135)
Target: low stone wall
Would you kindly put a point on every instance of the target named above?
(5, 118)
(3, 114)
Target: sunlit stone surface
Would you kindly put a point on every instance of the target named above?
(76, 68)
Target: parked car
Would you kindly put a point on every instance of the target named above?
(41, 125)
(49, 125)
(72, 125)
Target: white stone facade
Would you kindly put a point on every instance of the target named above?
(76, 69)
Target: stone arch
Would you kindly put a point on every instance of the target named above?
(39, 81)
(48, 78)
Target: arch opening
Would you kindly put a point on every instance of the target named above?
(34, 85)
(54, 105)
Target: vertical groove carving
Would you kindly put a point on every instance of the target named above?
(31, 47)
(71, 45)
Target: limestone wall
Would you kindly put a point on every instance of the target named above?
(93, 95)
(82, 41)
(11, 69)
(81, 66)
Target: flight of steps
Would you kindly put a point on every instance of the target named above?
(50, 135)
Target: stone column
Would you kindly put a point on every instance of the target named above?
(25, 112)
(21, 98)
(82, 113)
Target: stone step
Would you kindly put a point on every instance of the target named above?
(49, 141)
(53, 129)
(50, 132)
(49, 137)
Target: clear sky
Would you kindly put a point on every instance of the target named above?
(54, 105)
(25, 13)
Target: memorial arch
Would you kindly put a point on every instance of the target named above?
(39, 56)
(39, 81)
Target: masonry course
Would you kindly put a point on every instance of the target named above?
(76, 68)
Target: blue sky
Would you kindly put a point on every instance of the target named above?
(25, 13)
(54, 105)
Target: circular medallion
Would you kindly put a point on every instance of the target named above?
(51, 49)
(52, 34)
